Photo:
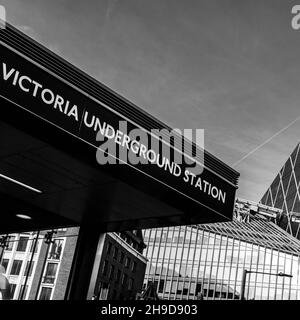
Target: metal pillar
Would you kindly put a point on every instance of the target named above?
(243, 285)
(3, 245)
(83, 262)
(29, 266)
(48, 240)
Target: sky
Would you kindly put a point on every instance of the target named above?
(230, 67)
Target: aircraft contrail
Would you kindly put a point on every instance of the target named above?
(265, 142)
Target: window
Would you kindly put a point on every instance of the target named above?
(22, 244)
(168, 287)
(45, 293)
(185, 291)
(124, 279)
(127, 262)
(50, 273)
(32, 245)
(16, 267)
(211, 293)
(114, 295)
(198, 288)
(20, 292)
(122, 257)
(5, 264)
(10, 243)
(109, 246)
(26, 269)
(118, 275)
(161, 286)
(111, 272)
(12, 290)
(103, 292)
(130, 284)
(116, 250)
(133, 267)
(56, 249)
(104, 267)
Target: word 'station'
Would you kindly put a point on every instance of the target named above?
(173, 157)
(119, 146)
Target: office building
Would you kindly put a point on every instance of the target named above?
(35, 269)
(283, 193)
(118, 271)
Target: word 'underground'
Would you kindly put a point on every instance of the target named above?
(170, 150)
(157, 150)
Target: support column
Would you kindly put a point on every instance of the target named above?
(83, 262)
(242, 297)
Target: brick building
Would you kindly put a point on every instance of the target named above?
(50, 264)
(119, 266)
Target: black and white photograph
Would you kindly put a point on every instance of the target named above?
(149, 154)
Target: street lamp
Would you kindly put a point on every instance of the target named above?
(3, 245)
(279, 274)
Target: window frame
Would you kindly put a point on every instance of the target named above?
(46, 288)
(20, 268)
(50, 276)
(21, 242)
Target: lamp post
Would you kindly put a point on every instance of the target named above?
(48, 240)
(280, 274)
(3, 245)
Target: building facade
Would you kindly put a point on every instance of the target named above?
(121, 267)
(207, 261)
(284, 194)
(37, 269)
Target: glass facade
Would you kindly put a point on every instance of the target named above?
(207, 261)
(284, 194)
